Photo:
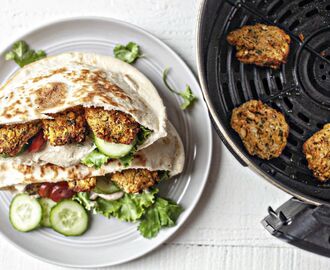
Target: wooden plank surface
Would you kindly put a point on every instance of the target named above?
(224, 231)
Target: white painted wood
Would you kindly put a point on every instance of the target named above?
(224, 232)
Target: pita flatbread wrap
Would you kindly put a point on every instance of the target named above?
(58, 83)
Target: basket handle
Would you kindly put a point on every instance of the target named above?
(301, 224)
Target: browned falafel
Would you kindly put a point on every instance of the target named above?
(112, 126)
(262, 129)
(66, 127)
(82, 185)
(135, 180)
(317, 151)
(13, 137)
(260, 44)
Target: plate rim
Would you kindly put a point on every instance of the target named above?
(210, 142)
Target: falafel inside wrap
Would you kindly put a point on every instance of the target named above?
(60, 109)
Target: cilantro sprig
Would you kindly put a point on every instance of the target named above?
(128, 53)
(188, 97)
(23, 55)
(142, 136)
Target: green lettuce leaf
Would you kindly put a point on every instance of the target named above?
(188, 97)
(83, 199)
(107, 208)
(163, 213)
(95, 159)
(129, 208)
(154, 213)
(128, 53)
(23, 55)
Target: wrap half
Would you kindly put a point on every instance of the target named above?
(166, 154)
(78, 103)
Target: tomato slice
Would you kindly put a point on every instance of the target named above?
(45, 189)
(37, 143)
(61, 191)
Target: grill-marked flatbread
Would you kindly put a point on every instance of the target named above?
(56, 83)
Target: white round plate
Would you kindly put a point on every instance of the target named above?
(110, 242)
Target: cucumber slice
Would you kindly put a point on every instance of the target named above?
(113, 150)
(46, 205)
(69, 218)
(25, 213)
(105, 186)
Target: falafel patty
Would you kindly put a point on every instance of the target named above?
(65, 127)
(13, 137)
(135, 180)
(317, 151)
(260, 44)
(82, 185)
(112, 126)
(263, 130)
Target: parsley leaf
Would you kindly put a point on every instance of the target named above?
(187, 94)
(143, 134)
(163, 175)
(94, 159)
(22, 54)
(129, 53)
(163, 213)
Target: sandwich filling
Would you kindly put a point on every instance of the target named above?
(73, 136)
(131, 181)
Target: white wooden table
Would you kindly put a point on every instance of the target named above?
(224, 231)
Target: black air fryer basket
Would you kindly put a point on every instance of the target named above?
(300, 89)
